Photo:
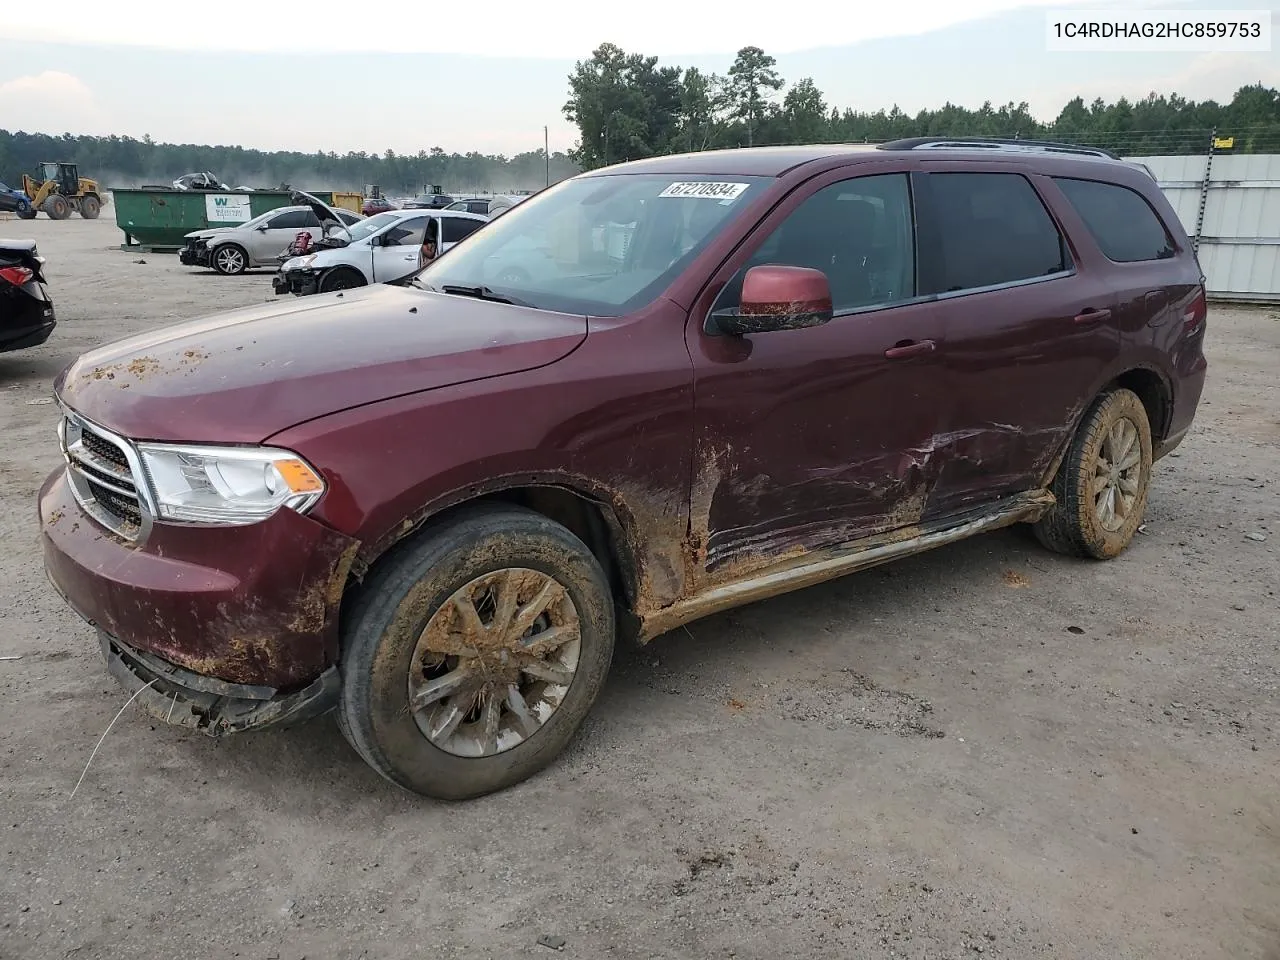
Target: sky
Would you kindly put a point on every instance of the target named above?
(285, 79)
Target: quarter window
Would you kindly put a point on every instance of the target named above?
(992, 229)
(1121, 220)
(858, 232)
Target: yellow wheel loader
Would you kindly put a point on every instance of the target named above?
(61, 190)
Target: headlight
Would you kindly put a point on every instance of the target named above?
(228, 485)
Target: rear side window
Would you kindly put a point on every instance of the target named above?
(993, 229)
(455, 228)
(1121, 220)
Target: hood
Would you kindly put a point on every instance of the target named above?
(242, 376)
(207, 232)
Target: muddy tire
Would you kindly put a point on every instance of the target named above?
(341, 278)
(1101, 486)
(90, 207)
(230, 259)
(444, 690)
(57, 207)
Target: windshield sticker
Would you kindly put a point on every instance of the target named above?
(724, 192)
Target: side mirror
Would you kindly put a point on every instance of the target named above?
(262, 228)
(776, 297)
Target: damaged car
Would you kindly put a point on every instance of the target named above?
(433, 508)
(260, 242)
(383, 249)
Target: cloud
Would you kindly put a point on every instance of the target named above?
(516, 28)
(51, 102)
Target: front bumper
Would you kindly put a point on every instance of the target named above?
(236, 626)
(195, 256)
(300, 283)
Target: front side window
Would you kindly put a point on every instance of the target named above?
(603, 246)
(993, 229)
(1123, 224)
(294, 220)
(858, 232)
(407, 233)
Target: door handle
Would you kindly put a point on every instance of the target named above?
(1092, 316)
(410, 258)
(909, 348)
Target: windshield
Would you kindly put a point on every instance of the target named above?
(363, 229)
(603, 245)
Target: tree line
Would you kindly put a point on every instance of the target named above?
(627, 106)
(128, 162)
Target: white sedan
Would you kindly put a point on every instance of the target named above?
(381, 249)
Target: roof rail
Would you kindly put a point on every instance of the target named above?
(994, 143)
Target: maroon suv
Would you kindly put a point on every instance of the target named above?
(648, 394)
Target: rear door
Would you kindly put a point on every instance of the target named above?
(1152, 284)
(1030, 318)
(396, 253)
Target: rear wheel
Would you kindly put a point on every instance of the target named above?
(57, 207)
(343, 278)
(471, 658)
(1101, 486)
(90, 207)
(230, 259)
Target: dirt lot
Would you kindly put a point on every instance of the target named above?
(985, 749)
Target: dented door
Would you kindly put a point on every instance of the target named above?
(814, 437)
(1031, 320)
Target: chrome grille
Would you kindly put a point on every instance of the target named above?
(100, 468)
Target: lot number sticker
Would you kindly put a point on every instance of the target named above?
(227, 208)
(726, 192)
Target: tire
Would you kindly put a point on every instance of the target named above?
(25, 211)
(416, 586)
(342, 278)
(1079, 523)
(90, 207)
(57, 207)
(230, 259)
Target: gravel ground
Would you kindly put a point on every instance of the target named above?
(983, 750)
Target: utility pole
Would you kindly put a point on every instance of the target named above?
(546, 152)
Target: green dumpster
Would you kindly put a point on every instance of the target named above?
(157, 220)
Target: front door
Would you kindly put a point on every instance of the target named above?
(396, 254)
(280, 231)
(816, 437)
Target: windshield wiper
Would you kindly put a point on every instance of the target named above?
(482, 293)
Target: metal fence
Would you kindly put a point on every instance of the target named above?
(1230, 207)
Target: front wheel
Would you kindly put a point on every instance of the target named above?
(1101, 486)
(474, 653)
(57, 207)
(90, 207)
(343, 278)
(230, 260)
(25, 211)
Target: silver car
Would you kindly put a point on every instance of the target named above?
(257, 243)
